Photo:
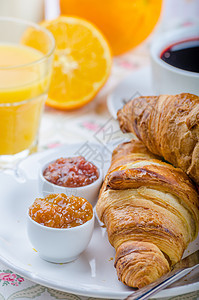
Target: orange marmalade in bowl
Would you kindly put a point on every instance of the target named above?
(61, 211)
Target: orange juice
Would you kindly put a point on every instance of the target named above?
(23, 87)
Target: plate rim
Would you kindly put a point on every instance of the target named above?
(89, 293)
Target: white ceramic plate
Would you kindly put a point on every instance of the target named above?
(92, 274)
(138, 83)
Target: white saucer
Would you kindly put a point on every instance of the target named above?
(137, 83)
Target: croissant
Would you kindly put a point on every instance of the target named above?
(150, 210)
(168, 125)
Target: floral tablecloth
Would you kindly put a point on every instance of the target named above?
(58, 127)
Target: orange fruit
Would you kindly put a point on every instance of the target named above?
(36, 39)
(125, 23)
(82, 62)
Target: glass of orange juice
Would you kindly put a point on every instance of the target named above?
(26, 56)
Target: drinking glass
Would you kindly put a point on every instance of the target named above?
(26, 57)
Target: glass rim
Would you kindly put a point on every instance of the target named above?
(25, 101)
(34, 25)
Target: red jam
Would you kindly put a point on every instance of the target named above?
(60, 211)
(71, 172)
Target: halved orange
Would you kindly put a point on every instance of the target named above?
(82, 62)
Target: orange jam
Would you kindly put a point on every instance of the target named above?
(60, 211)
(71, 172)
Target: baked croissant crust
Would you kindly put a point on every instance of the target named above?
(168, 125)
(150, 210)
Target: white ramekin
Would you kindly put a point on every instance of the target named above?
(89, 192)
(59, 245)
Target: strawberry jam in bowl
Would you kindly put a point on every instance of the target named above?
(60, 227)
(71, 172)
(72, 176)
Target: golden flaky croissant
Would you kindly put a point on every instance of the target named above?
(168, 126)
(150, 210)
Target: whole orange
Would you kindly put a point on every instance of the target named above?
(125, 23)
